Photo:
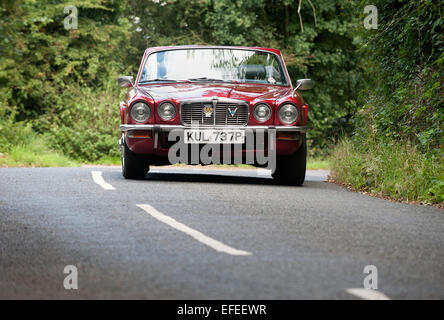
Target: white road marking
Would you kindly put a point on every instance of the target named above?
(97, 177)
(367, 294)
(263, 172)
(199, 236)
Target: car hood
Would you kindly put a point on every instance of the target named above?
(184, 91)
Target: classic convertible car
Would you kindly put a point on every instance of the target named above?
(238, 100)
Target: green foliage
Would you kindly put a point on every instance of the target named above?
(41, 60)
(13, 133)
(35, 154)
(58, 80)
(404, 61)
(88, 129)
(21, 146)
(318, 164)
(397, 144)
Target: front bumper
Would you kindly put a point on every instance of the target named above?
(167, 128)
(156, 143)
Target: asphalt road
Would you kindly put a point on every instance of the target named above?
(220, 234)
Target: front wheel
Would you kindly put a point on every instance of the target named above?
(134, 166)
(291, 169)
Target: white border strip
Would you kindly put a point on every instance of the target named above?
(97, 177)
(367, 294)
(212, 243)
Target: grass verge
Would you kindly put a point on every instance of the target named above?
(35, 154)
(387, 169)
(20, 146)
(317, 164)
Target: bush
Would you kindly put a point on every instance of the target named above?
(21, 146)
(13, 133)
(88, 129)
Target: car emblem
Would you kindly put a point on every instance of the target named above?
(208, 111)
(232, 111)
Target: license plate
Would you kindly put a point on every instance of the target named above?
(214, 136)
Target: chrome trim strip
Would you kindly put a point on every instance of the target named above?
(214, 102)
(156, 136)
(169, 127)
(121, 143)
(210, 99)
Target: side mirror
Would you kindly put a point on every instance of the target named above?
(303, 84)
(125, 81)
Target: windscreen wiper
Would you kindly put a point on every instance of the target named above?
(206, 79)
(163, 80)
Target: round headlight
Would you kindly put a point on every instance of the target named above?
(262, 112)
(288, 113)
(166, 111)
(140, 112)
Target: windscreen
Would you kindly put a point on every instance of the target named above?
(230, 65)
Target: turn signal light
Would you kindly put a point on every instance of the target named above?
(139, 134)
(287, 135)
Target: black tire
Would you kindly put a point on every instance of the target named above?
(134, 166)
(290, 170)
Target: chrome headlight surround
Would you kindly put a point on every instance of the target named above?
(167, 110)
(262, 112)
(140, 112)
(288, 113)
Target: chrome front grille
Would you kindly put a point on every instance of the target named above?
(220, 116)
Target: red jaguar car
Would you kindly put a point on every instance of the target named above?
(214, 104)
